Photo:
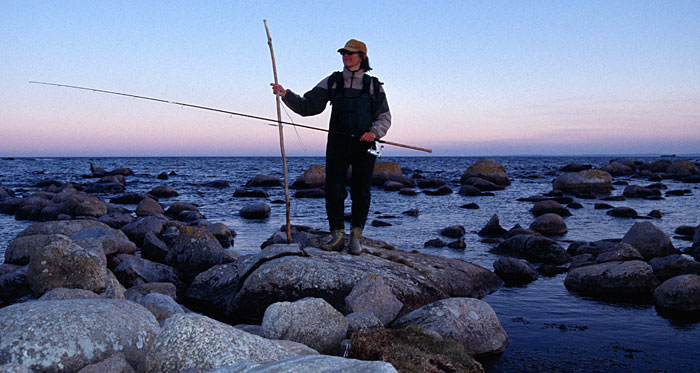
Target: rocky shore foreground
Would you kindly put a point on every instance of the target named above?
(95, 287)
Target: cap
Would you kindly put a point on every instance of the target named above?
(354, 46)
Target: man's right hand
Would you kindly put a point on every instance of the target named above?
(278, 89)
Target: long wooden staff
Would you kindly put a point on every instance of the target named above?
(279, 126)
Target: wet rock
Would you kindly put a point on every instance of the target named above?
(380, 223)
(190, 216)
(219, 184)
(372, 294)
(481, 184)
(453, 231)
(655, 214)
(415, 278)
(549, 206)
(587, 181)
(535, 249)
(137, 230)
(63, 264)
(549, 225)
(194, 251)
(407, 192)
(310, 193)
(459, 244)
(435, 242)
(470, 321)
(488, 169)
(432, 182)
(649, 240)
(68, 335)
(162, 176)
(679, 296)
(622, 212)
(614, 279)
(515, 271)
(311, 321)
(411, 212)
(441, 191)
(255, 211)
(176, 208)
(148, 206)
(250, 193)
(163, 191)
(263, 181)
(469, 190)
(412, 349)
(492, 228)
(574, 205)
(674, 265)
(470, 206)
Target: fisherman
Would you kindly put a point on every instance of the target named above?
(360, 115)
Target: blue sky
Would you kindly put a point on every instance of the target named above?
(462, 77)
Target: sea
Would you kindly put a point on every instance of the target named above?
(549, 328)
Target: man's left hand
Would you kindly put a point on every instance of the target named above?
(368, 137)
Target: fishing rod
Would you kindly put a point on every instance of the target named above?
(221, 111)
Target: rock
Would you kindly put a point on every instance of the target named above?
(176, 208)
(153, 248)
(515, 271)
(411, 212)
(636, 191)
(549, 225)
(311, 321)
(415, 278)
(190, 341)
(114, 364)
(441, 191)
(361, 321)
(674, 265)
(162, 176)
(163, 191)
(587, 181)
(619, 253)
(65, 294)
(618, 169)
(492, 228)
(161, 305)
(313, 177)
(250, 193)
(655, 214)
(148, 206)
(435, 242)
(68, 335)
(194, 251)
(63, 264)
(64, 227)
(470, 206)
(14, 285)
(481, 184)
(380, 223)
(488, 169)
(649, 240)
(535, 249)
(190, 216)
(136, 271)
(412, 349)
(392, 186)
(222, 233)
(575, 167)
(469, 190)
(453, 231)
(431, 182)
(109, 240)
(211, 290)
(549, 206)
(384, 171)
(116, 220)
(622, 212)
(679, 295)
(137, 230)
(629, 279)
(312, 363)
(255, 211)
(128, 198)
(310, 193)
(470, 321)
(135, 293)
(263, 181)
(21, 248)
(371, 294)
(408, 192)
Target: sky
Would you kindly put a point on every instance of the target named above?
(463, 78)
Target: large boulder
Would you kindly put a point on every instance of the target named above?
(255, 211)
(628, 279)
(371, 294)
(137, 230)
(190, 341)
(488, 169)
(384, 171)
(148, 206)
(416, 279)
(535, 249)
(263, 181)
(679, 295)
(61, 263)
(585, 182)
(67, 335)
(109, 240)
(211, 290)
(163, 191)
(311, 321)
(21, 248)
(617, 169)
(549, 224)
(313, 177)
(194, 251)
(549, 206)
(134, 271)
(649, 240)
(64, 227)
(470, 321)
(515, 271)
(674, 265)
(312, 363)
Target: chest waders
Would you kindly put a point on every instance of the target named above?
(354, 116)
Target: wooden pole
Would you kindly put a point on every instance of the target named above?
(279, 126)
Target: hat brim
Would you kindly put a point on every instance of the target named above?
(349, 50)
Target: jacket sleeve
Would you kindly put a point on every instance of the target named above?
(313, 102)
(382, 114)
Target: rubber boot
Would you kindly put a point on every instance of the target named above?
(354, 247)
(337, 241)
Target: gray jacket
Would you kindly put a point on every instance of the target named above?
(314, 101)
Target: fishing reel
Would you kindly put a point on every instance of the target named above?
(374, 151)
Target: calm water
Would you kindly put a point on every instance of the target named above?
(549, 328)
